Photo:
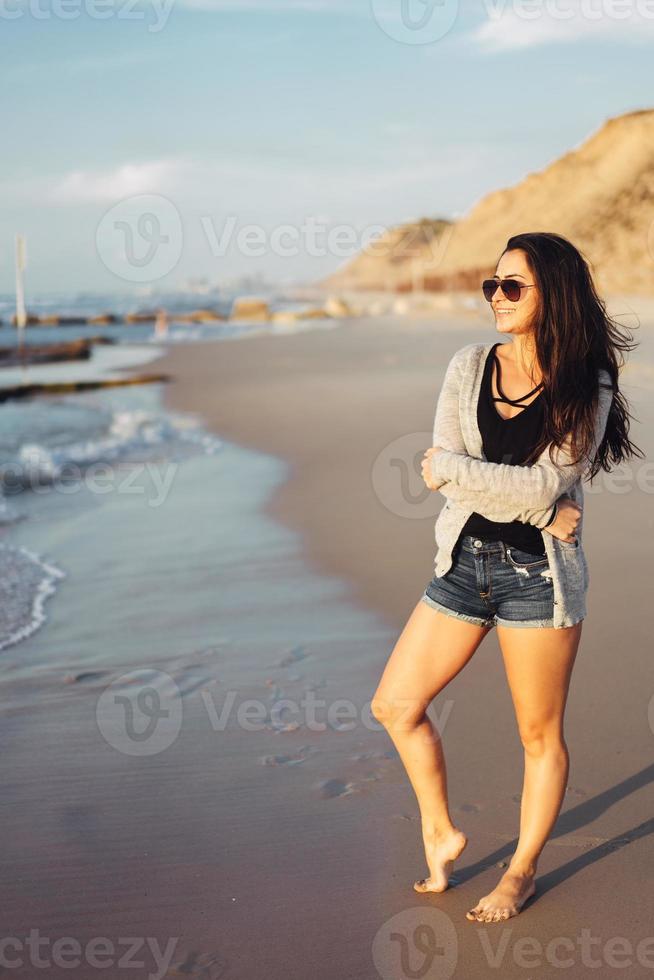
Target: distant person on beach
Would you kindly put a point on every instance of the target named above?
(517, 425)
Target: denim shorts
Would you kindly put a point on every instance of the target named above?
(491, 582)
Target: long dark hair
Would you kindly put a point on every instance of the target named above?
(574, 337)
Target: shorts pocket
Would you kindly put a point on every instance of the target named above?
(525, 560)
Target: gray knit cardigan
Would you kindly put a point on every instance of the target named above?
(502, 492)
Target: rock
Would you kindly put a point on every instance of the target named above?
(60, 387)
(74, 350)
(104, 319)
(337, 307)
(251, 310)
(146, 316)
(30, 321)
(285, 316)
(313, 313)
(201, 316)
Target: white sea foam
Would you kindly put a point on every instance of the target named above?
(26, 582)
(75, 433)
(132, 433)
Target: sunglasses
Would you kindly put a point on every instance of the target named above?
(510, 287)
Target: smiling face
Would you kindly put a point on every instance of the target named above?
(518, 317)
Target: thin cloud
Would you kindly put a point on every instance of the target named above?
(281, 183)
(82, 187)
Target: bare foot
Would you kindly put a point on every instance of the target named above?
(441, 851)
(506, 900)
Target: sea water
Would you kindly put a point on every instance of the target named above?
(131, 536)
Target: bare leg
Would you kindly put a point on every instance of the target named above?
(538, 665)
(432, 648)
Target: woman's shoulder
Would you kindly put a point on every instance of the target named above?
(471, 353)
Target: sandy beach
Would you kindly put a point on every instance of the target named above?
(279, 569)
(328, 404)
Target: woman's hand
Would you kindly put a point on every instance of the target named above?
(427, 476)
(564, 525)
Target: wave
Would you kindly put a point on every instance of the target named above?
(136, 433)
(26, 582)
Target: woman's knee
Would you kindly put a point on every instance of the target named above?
(397, 713)
(540, 738)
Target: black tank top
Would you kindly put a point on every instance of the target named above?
(507, 441)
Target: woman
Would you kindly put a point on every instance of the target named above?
(517, 425)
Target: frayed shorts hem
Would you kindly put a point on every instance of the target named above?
(475, 620)
(494, 621)
(526, 623)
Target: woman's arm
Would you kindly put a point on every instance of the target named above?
(447, 434)
(536, 487)
(498, 509)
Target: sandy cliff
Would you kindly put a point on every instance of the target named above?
(600, 195)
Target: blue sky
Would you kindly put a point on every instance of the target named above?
(282, 116)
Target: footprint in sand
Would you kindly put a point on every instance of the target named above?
(468, 808)
(85, 676)
(375, 773)
(288, 760)
(193, 676)
(329, 789)
(198, 966)
(184, 681)
(365, 756)
(341, 726)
